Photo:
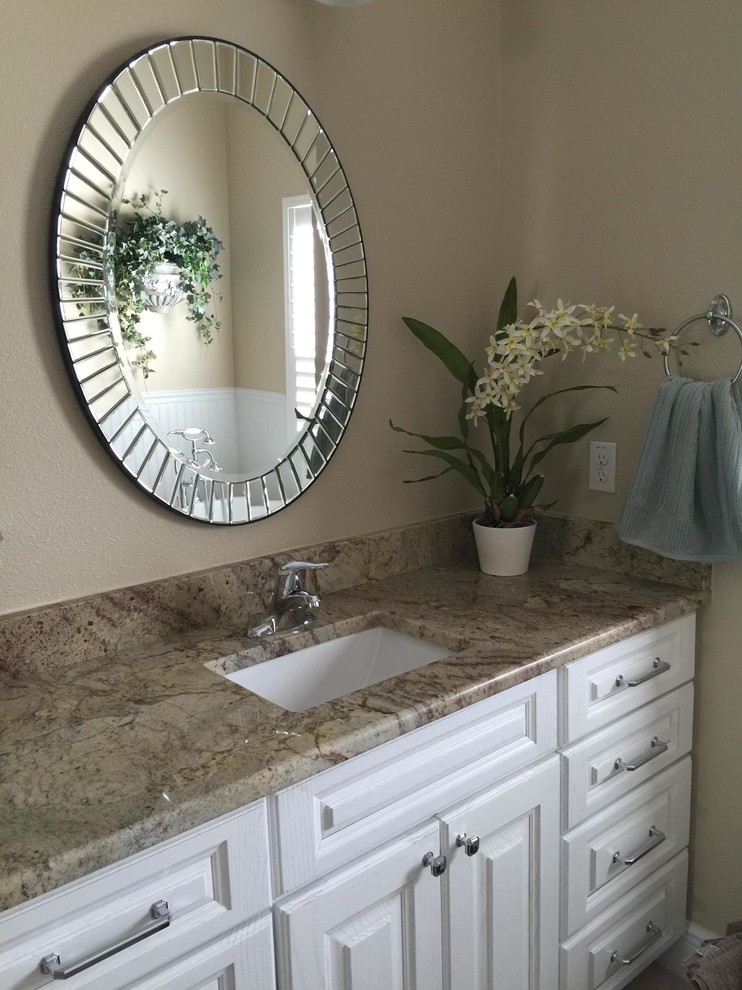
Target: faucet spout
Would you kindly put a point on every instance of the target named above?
(293, 607)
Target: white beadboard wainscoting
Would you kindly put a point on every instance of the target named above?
(249, 426)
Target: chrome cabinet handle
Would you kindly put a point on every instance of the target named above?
(469, 842)
(437, 864)
(656, 838)
(51, 964)
(657, 748)
(658, 667)
(655, 934)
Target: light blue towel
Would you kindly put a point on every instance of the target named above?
(686, 499)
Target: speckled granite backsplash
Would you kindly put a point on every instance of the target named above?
(596, 544)
(224, 598)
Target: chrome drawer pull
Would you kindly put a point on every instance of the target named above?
(469, 842)
(655, 934)
(50, 965)
(437, 864)
(658, 667)
(658, 747)
(656, 838)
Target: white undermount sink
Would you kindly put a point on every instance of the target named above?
(327, 671)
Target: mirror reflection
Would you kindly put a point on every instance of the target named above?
(213, 158)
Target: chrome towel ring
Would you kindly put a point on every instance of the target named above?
(719, 319)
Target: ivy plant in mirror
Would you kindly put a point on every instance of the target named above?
(209, 280)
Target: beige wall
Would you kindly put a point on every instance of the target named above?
(621, 184)
(408, 93)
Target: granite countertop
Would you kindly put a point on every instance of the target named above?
(106, 757)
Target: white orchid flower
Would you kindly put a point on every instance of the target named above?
(630, 324)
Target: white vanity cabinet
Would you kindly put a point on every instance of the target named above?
(626, 727)
(532, 840)
(178, 915)
(330, 820)
(520, 911)
(379, 924)
(470, 897)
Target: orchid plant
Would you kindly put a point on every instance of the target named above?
(509, 483)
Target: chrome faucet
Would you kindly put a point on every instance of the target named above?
(293, 607)
(194, 435)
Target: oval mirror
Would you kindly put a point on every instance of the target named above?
(209, 281)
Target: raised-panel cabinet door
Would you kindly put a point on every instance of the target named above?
(374, 926)
(503, 883)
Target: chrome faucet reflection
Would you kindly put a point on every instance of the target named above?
(293, 607)
(199, 457)
(191, 490)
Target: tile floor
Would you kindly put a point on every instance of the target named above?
(656, 977)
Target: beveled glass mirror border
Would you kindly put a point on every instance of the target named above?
(91, 342)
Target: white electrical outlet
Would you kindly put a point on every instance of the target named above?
(602, 476)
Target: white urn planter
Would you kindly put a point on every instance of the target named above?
(504, 551)
(162, 288)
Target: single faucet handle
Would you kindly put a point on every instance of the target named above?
(290, 577)
(302, 565)
(194, 434)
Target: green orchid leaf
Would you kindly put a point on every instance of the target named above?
(459, 365)
(499, 427)
(530, 490)
(499, 488)
(464, 469)
(545, 506)
(428, 477)
(550, 395)
(493, 480)
(515, 476)
(509, 305)
(509, 508)
(463, 421)
(566, 436)
(441, 443)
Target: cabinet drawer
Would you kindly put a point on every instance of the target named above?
(607, 764)
(338, 815)
(625, 938)
(622, 677)
(242, 959)
(211, 879)
(608, 854)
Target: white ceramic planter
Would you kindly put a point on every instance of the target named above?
(162, 288)
(504, 551)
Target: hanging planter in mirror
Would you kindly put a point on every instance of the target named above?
(157, 263)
